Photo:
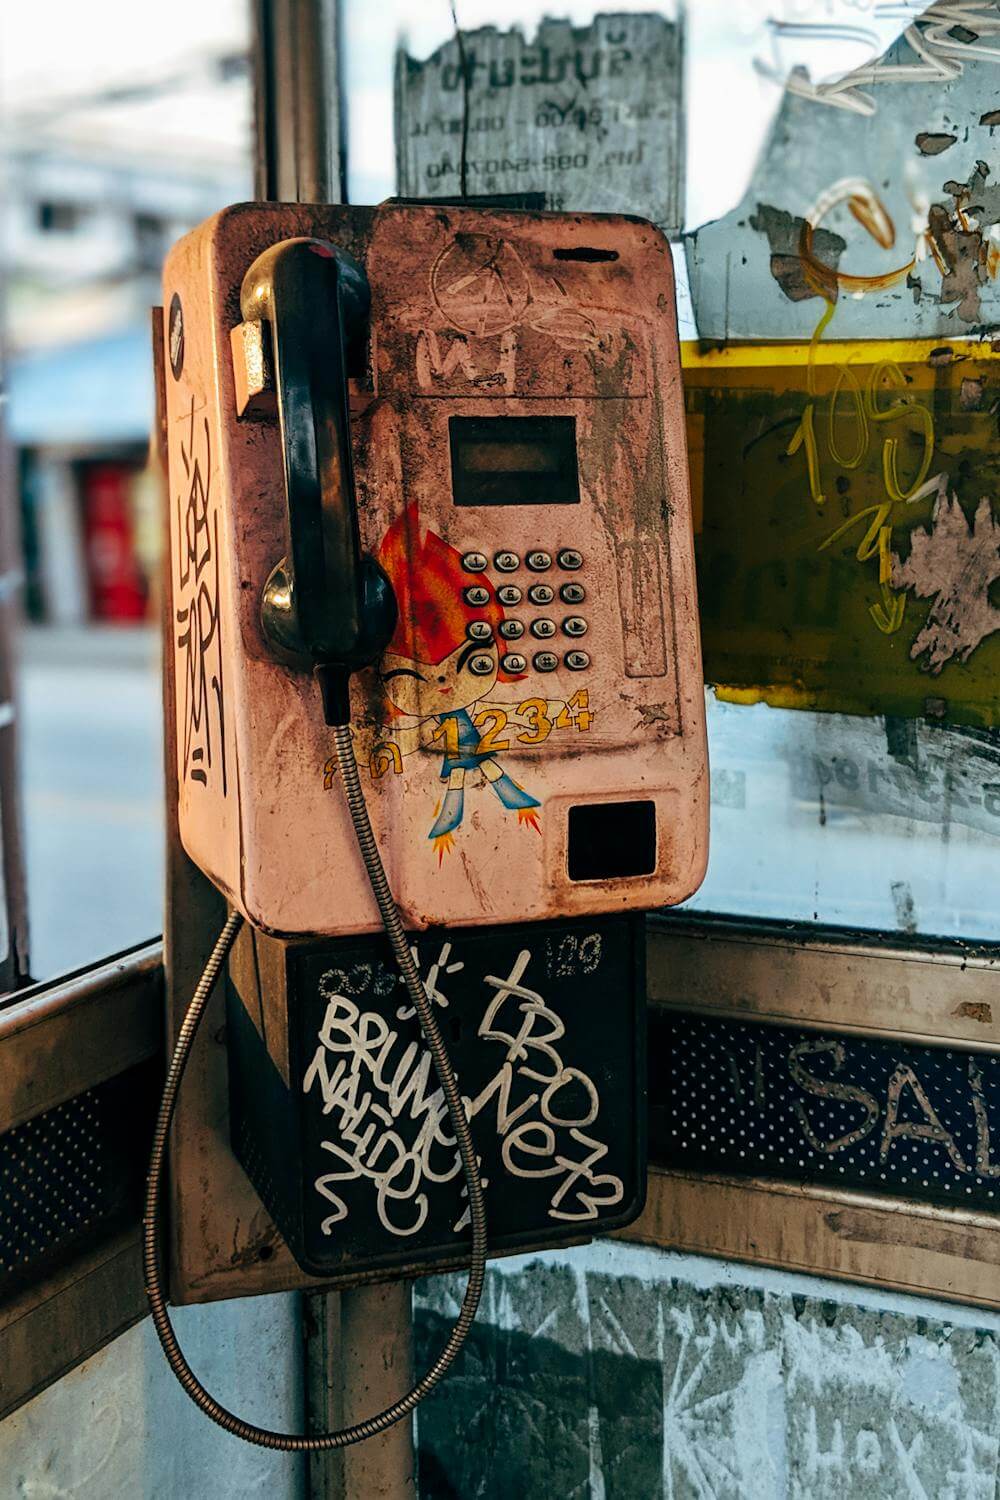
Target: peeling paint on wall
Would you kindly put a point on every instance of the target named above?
(922, 106)
(954, 562)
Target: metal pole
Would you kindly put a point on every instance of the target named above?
(298, 102)
(358, 1344)
(359, 1358)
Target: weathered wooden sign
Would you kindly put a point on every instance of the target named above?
(592, 118)
(347, 1138)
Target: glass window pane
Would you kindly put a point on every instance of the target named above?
(112, 151)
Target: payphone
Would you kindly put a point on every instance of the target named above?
(438, 677)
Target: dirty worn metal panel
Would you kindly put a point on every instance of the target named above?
(591, 117)
(890, 987)
(457, 293)
(59, 1039)
(847, 538)
(49, 1328)
(886, 1242)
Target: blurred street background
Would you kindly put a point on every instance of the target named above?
(93, 791)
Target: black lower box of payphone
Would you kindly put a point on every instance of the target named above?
(338, 1119)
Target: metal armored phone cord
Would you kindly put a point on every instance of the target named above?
(263, 1436)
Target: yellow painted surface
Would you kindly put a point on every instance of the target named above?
(812, 467)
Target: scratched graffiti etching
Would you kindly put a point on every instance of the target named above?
(196, 610)
(954, 562)
(388, 1122)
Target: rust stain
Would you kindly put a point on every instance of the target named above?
(860, 1226)
(974, 1010)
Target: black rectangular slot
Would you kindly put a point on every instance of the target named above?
(514, 461)
(612, 840)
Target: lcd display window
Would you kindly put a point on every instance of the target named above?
(514, 461)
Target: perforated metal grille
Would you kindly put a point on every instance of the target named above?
(745, 1098)
(72, 1174)
(51, 1181)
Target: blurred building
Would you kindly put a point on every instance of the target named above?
(98, 188)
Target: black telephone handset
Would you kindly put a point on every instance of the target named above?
(324, 601)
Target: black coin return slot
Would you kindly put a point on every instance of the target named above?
(612, 840)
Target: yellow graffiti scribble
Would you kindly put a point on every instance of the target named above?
(382, 757)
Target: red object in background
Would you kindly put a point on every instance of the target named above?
(117, 586)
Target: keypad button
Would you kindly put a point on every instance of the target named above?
(507, 562)
(475, 562)
(476, 595)
(513, 662)
(543, 628)
(545, 661)
(509, 593)
(541, 593)
(539, 561)
(574, 625)
(577, 660)
(482, 664)
(511, 630)
(572, 593)
(480, 630)
(570, 559)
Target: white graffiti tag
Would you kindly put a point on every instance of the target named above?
(391, 1122)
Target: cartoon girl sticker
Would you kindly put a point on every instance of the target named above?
(435, 671)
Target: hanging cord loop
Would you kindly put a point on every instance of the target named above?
(152, 1268)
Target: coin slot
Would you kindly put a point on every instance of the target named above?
(589, 253)
(611, 840)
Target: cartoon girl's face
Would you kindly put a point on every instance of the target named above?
(419, 689)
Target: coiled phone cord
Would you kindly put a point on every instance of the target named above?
(263, 1436)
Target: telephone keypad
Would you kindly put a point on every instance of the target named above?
(541, 593)
(482, 664)
(571, 592)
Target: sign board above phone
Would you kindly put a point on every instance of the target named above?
(590, 117)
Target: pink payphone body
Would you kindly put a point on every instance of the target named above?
(532, 738)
